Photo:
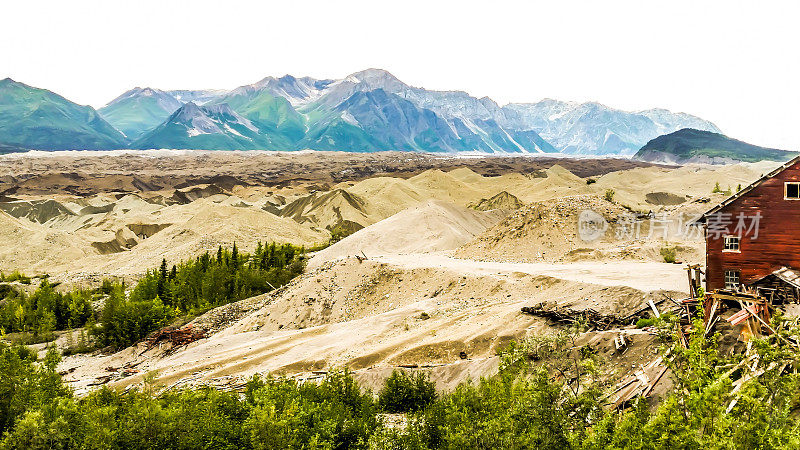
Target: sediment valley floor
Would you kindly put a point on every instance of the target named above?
(449, 251)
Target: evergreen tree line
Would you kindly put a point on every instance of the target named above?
(161, 295)
(193, 287)
(213, 280)
(43, 311)
(547, 395)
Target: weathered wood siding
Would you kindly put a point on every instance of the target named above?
(778, 241)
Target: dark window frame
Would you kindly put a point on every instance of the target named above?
(791, 190)
(733, 279)
(732, 244)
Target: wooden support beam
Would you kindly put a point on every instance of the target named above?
(653, 306)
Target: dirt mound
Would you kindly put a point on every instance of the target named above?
(559, 172)
(503, 200)
(226, 182)
(387, 196)
(124, 239)
(188, 195)
(328, 209)
(39, 211)
(203, 226)
(432, 226)
(664, 198)
(542, 231)
(561, 230)
(145, 230)
(93, 209)
(34, 248)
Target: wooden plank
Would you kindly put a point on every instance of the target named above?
(653, 306)
(738, 318)
(655, 381)
(739, 297)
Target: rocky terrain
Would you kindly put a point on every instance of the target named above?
(442, 253)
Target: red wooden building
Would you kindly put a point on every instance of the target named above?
(753, 237)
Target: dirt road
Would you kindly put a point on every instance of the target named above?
(645, 276)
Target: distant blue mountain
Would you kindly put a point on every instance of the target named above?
(372, 110)
(696, 146)
(38, 119)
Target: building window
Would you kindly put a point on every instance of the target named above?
(731, 244)
(732, 280)
(791, 190)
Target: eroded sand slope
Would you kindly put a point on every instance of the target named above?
(440, 278)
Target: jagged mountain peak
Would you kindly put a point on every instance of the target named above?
(9, 83)
(297, 91)
(209, 118)
(188, 110)
(218, 108)
(206, 126)
(199, 96)
(144, 92)
(372, 76)
(139, 110)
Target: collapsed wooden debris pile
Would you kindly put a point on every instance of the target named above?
(742, 314)
(739, 315)
(226, 383)
(178, 337)
(640, 383)
(593, 319)
(116, 373)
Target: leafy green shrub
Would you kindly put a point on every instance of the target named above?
(558, 404)
(641, 323)
(25, 384)
(44, 311)
(406, 393)
(15, 276)
(591, 181)
(84, 344)
(342, 230)
(126, 321)
(610, 195)
(333, 414)
(669, 254)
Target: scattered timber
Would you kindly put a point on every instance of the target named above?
(592, 318)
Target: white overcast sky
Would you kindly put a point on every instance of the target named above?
(735, 63)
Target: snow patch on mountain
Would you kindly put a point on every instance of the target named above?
(594, 128)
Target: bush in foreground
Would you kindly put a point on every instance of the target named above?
(404, 393)
(548, 395)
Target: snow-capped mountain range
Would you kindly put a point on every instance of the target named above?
(372, 110)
